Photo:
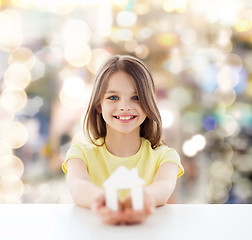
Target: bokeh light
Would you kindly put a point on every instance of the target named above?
(189, 149)
(15, 134)
(5, 153)
(226, 97)
(76, 30)
(99, 56)
(222, 152)
(218, 189)
(63, 7)
(131, 45)
(228, 125)
(74, 92)
(192, 146)
(23, 3)
(175, 6)
(78, 54)
(144, 33)
(209, 123)
(141, 8)
(5, 116)
(38, 70)
(13, 170)
(181, 97)
(167, 39)
(10, 25)
(73, 86)
(242, 112)
(11, 189)
(199, 141)
(126, 19)
(191, 122)
(167, 118)
(22, 56)
(142, 51)
(121, 34)
(227, 78)
(243, 25)
(17, 77)
(221, 168)
(13, 101)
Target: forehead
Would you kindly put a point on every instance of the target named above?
(121, 82)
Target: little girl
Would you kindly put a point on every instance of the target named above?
(124, 127)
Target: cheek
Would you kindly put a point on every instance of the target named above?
(106, 108)
(140, 109)
(144, 116)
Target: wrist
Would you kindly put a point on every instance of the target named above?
(150, 195)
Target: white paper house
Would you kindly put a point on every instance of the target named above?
(123, 178)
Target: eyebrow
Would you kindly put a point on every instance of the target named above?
(112, 91)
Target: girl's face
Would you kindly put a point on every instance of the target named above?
(120, 106)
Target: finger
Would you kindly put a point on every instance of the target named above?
(98, 203)
(132, 216)
(101, 200)
(112, 219)
(109, 217)
(120, 205)
(127, 202)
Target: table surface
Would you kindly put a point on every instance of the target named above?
(175, 221)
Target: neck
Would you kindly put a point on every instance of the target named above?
(123, 145)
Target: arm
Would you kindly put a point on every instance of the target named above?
(164, 183)
(83, 191)
(86, 194)
(156, 194)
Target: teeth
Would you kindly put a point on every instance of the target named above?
(125, 118)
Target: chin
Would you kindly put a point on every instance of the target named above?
(129, 131)
(123, 132)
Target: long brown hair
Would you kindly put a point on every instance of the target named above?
(151, 128)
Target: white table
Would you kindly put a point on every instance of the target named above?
(67, 221)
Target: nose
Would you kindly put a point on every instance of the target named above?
(124, 106)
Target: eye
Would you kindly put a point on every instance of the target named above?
(135, 98)
(113, 98)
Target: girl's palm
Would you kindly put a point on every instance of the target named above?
(126, 214)
(132, 216)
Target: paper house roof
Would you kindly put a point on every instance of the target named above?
(123, 178)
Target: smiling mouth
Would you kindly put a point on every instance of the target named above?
(124, 117)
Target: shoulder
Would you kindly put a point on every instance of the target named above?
(162, 149)
(163, 154)
(84, 148)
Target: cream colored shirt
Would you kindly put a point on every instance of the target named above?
(101, 163)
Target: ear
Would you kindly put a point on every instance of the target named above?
(99, 109)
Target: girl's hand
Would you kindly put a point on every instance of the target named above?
(126, 214)
(132, 216)
(107, 215)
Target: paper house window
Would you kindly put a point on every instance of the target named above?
(123, 178)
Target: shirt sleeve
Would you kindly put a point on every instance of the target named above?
(75, 151)
(170, 155)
